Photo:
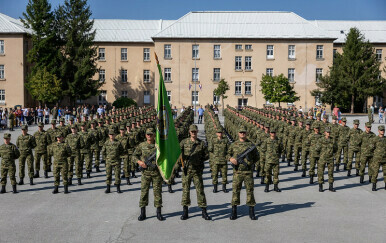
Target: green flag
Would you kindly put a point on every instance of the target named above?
(168, 147)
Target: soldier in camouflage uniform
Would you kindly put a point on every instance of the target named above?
(104, 135)
(366, 152)
(298, 143)
(291, 140)
(334, 127)
(8, 153)
(97, 136)
(243, 173)
(85, 152)
(327, 147)
(76, 143)
(26, 143)
(51, 139)
(61, 153)
(315, 152)
(354, 148)
(123, 138)
(149, 175)
(219, 147)
(305, 146)
(379, 159)
(343, 137)
(112, 151)
(62, 127)
(41, 150)
(194, 153)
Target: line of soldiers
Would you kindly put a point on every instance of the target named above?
(301, 137)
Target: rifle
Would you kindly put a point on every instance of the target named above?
(240, 158)
(148, 161)
(187, 159)
(228, 136)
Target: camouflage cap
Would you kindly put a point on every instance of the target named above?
(122, 127)
(328, 129)
(242, 129)
(53, 121)
(24, 127)
(368, 124)
(94, 122)
(273, 130)
(219, 130)
(71, 118)
(83, 124)
(100, 120)
(73, 126)
(7, 135)
(308, 122)
(266, 125)
(40, 124)
(193, 128)
(62, 120)
(316, 126)
(381, 128)
(356, 122)
(344, 119)
(111, 132)
(325, 117)
(59, 135)
(293, 119)
(128, 124)
(150, 130)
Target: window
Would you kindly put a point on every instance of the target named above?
(269, 71)
(102, 75)
(333, 52)
(269, 51)
(242, 102)
(248, 63)
(1, 47)
(195, 97)
(2, 75)
(291, 75)
(123, 54)
(248, 47)
(146, 97)
(101, 55)
(169, 94)
(319, 52)
(102, 97)
(123, 75)
(291, 52)
(195, 74)
(317, 101)
(146, 76)
(168, 74)
(319, 73)
(238, 88)
(216, 74)
(124, 93)
(238, 63)
(216, 51)
(378, 54)
(216, 99)
(146, 54)
(238, 47)
(248, 87)
(167, 51)
(2, 96)
(195, 51)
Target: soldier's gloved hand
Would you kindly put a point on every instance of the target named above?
(142, 164)
(233, 161)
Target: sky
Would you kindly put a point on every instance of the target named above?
(174, 9)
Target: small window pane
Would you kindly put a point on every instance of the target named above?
(124, 54)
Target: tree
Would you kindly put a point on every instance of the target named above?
(220, 91)
(45, 86)
(277, 89)
(124, 102)
(79, 53)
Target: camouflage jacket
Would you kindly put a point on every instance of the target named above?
(237, 148)
(143, 151)
(124, 140)
(196, 160)
(272, 148)
(41, 141)
(219, 148)
(343, 135)
(366, 145)
(61, 152)
(26, 143)
(9, 153)
(313, 138)
(97, 136)
(306, 143)
(75, 142)
(112, 151)
(51, 135)
(379, 145)
(355, 136)
(87, 141)
(299, 136)
(327, 147)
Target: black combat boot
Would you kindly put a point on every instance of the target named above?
(262, 180)
(107, 189)
(21, 182)
(385, 185)
(289, 162)
(88, 174)
(215, 188)
(2, 189)
(177, 174)
(320, 187)
(266, 187)
(103, 161)
(143, 214)
(133, 174)
(357, 172)
(128, 181)
(224, 188)
(234, 213)
(66, 189)
(344, 166)
(374, 187)
(369, 179)
(252, 213)
(185, 213)
(362, 178)
(49, 169)
(173, 182)
(123, 176)
(304, 173)
(70, 181)
(159, 214)
(349, 173)
(257, 172)
(282, 158)
(79, 182)
(337, 168)
(331, 188)
(45, 174)
(98, 170)
(31, 181)
(296, 168)
(36, 174)
(14, 189)
(276, 188)
(312, 179)
(170, 189)
(205, 214)
(119, 188)
(56, 190)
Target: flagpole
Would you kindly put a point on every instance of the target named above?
(195, 83)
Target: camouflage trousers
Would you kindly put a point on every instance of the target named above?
(147, 178)
(49, 156)
(297, 151)
(339, 152)
(110, 166)
(133, 164)
(305, 156)
(126, 165)
(30, 163)
(364, 161)
(97, 154)
(60, 168)
(8, 167)
(238, 178)
(86, 157)
(290, 148)
(374, 166)
(351, 154)
(74, 160)
(262, 166)
(322, 166)
(269, 170)
(224, 170)
(44, 158)
(196, 176)
(313, 162)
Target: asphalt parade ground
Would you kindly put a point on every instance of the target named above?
(300, 213)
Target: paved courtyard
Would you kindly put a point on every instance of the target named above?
(298, 214)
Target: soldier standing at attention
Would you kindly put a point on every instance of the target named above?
(76, 143)
(85, 152)
(219, 147)
(291, 140)
(366, 152)
(150, 174)
(298, 143)
(97, 136)
(379, 158)
(327, 147)
(194, 153)
(8, 153)
(130, 151)
(243, 173)
(123, 138)
(334, 127)
(41, 150)
(112, 151)
(315, 152)
(26, 142)
(354, 148)
(343, 137)
(51, 139)
(104, 135)
(305, 146)
(61, 153)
